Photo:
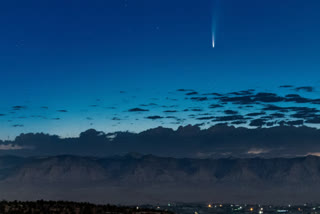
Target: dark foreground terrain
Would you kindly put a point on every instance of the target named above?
(63, 207)
(136, 180)
(66, 207)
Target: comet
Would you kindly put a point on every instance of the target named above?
(213, 29)
(214, 18)
(212, 40)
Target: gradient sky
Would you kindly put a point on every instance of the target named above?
(72, 54)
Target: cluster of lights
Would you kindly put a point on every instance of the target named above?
(261, 210)
(251, 209)
(221, 205)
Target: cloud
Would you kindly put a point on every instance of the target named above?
(277, 115)
(229, 118)
(238, 122)
(137, 110)
(270, 123)
(170, 111)
(296, 98)
(257, 122)
(241, 108)
(17, 108)
(248, 97)
(195, 109)
(115, 118)
(230, 112)
(62, 111)
(285, 86)
(205, 118)
(241, 100)
(305, 89)
(215, 106)
(154, 117)
(314, 120)
(212, 94)
(150, 104)
(268, 98)
(273, 108)
(292, 123)
(192, 93)
(17, 125)
(305, 113)
(256, 114)
(199, 98)
(184, 90)
(186, 141)
(244, 92)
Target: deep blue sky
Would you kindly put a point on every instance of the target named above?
(68, 54)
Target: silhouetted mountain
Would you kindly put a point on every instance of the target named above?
(135, 178)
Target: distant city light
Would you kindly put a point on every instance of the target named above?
(282, 211)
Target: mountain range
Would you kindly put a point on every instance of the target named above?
(142, 179)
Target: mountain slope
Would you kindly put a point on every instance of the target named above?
(151, 179)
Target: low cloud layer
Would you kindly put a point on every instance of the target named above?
(189, 141)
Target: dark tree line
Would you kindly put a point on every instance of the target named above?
(66, 207)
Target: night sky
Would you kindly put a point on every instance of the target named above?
(67, 66)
